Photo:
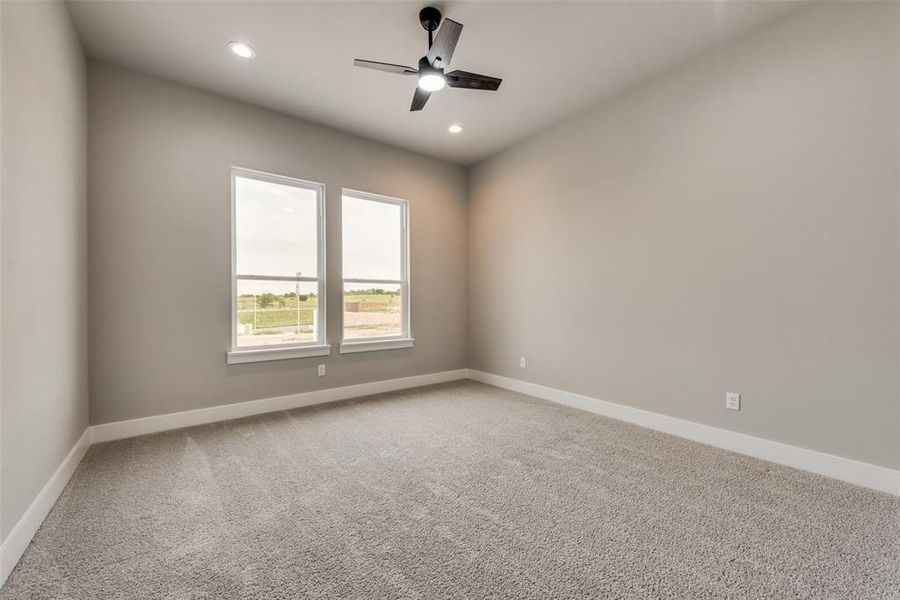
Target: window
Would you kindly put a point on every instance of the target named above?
(278, 268)
(376, 273)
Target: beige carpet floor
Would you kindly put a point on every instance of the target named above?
(453, 491)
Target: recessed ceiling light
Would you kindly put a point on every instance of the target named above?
(455, 128)
(241, 49)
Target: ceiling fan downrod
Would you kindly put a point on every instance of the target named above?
(430, 18)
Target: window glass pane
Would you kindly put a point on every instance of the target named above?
(371, 239)
(275, 228)
(372, 310)
(271, 313)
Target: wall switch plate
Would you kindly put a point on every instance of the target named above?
(522, 362)
(321, 370)
(733, 401)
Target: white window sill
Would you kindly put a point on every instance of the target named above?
(373, 345)
(258, 355)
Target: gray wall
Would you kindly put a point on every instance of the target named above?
(160, 258)
(43, 394)
(729, 226)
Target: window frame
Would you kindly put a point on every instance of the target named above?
(405, 339)
(317, 347)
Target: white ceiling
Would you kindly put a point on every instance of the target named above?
(555, 58)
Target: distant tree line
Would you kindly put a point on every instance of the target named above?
(374, 292)
(267, 299)
(290, 299)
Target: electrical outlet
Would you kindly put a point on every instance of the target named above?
(733, 401)
(321, 370)
(522, 362)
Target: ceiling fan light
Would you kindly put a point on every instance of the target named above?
(431, 82)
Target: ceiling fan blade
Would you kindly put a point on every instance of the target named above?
(472, 81)
(444, 44)
(382, 66)
(419, 99)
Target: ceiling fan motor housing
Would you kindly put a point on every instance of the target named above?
(425, 67)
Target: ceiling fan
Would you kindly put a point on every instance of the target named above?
(431, 76)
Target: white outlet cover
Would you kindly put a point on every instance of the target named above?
(733, 401)
(522, 362)
(321, 370)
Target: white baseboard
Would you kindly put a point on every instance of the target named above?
(20, 536)
(124, 429)
(845, 469)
